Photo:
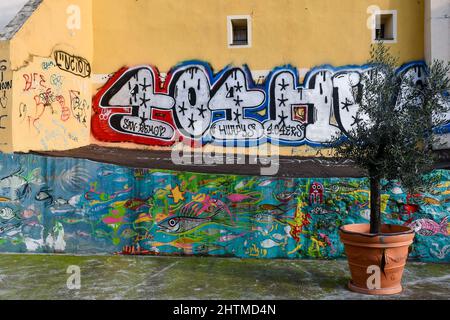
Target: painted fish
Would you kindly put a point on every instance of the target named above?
(279, 237)
(112, 220)
(136, 204)
(319, 211)
(230, 237)
(273, 208)
(105, 171)
(264, 218)
(427, 227)
(265, 183)
(72, 221)
(7, 213)
(8, 228)
(18, 186)
(268, 244)
(121, 179)
(44, 196)
(238, 197)
(144, 218)
(73, 179)
(285, 197)
(128, 233)
(268, 218)
(181, 224)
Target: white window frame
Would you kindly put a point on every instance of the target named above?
(394, 22)
(230, 31)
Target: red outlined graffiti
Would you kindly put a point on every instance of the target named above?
(139, 110)
(194, 105)
(34, 81)
(65, 111)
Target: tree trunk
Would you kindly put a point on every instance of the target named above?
(375, 204)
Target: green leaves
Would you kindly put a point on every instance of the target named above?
(398, 114)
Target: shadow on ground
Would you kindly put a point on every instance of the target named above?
(105, 277)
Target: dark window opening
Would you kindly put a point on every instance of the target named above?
(385, 27)
(240, 32)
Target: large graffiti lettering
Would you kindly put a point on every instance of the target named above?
(79, 206)
(193, 103)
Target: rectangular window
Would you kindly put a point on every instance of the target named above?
(239, 32)
(385, 26)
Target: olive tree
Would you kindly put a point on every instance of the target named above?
(393, 135)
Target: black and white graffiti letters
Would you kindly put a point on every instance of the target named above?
(193, 102)
(232, 95)
(5, 84)
(76, 65)
(137, 90)
(289, 108)
(190, 88)
(320, 94)
(346, 98)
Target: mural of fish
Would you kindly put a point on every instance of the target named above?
(427, 227)
(77, 206)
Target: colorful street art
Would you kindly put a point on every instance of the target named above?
(194, 104)
(82, 207)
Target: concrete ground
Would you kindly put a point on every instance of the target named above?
(115, 277)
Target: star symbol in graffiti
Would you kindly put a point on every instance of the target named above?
(202, 111)
(282, 101)
(192, 121)
(145, 85)
(144, 100)
(346, 104)
(237, 116)
(283, 118)
(182, 109)
(238, 101)
(356, 120)
(283, 85)
(238, 87)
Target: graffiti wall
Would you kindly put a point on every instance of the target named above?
(79, 206)
(194, 104)
(53, 99)
(6, 88)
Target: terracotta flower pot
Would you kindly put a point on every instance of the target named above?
(388, 251)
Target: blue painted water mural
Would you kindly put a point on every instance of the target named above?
(84, 207)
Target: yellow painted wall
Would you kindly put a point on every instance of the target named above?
(117, 33)
(5, 98)
(52, 108)
(51, 28)
(305, 33)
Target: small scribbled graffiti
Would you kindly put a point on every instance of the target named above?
(54, 105)
(79, 206)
